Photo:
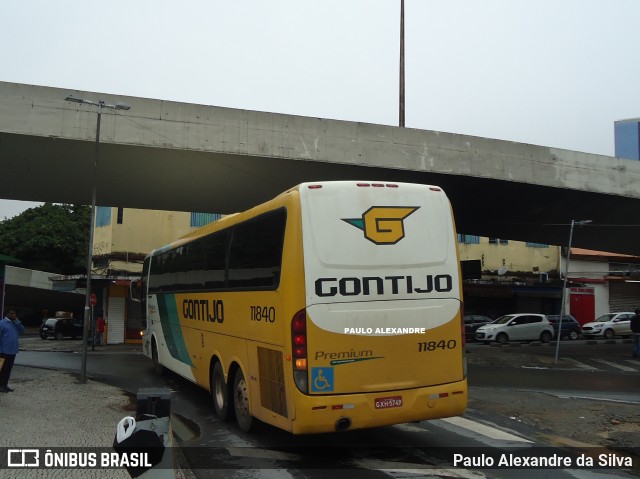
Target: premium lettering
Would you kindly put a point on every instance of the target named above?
(365, 353)
(374, 285)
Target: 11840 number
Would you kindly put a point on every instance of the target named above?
(263, 313)
(433, 345)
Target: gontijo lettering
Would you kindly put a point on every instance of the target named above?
(373, 285)
(203, 310)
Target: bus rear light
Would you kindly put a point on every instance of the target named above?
(433, 188)
(391, 185)
(464, 332)
(336, 406)
(377, 185)
(362, 185)
(299, 350)
(463, 340)
(314, 187)
(316, 408)
(300, 353)
(299, 340)
(299, 322)
(457, 392)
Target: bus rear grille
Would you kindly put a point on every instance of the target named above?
(271, 370)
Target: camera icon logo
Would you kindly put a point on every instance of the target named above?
(23, 458)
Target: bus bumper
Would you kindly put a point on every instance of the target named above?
(319, 414)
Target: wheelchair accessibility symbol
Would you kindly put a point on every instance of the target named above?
(321, 380)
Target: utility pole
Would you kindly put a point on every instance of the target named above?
(401, 122)
(87, 306)
(564, 285)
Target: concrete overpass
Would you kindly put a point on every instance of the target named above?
(176, 156)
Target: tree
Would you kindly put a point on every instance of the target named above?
(49, 238)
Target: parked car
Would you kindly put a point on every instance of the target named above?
(472, 322)
(516, 327)
(570, 326)
(609, 325)
(61, 327)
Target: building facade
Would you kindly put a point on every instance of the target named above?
(602, 283)
(627, 139)
(509, 276)
(122, 238)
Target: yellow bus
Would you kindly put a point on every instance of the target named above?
(334, 306)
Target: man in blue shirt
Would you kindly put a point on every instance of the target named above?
(10, 328)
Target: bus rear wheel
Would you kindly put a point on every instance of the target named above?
(219, 392)
(241, 402)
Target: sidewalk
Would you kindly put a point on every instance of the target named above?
(52, 409)
(33, 342)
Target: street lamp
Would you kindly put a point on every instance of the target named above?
(564, 285)
(87, 315)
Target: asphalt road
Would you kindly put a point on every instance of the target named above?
(398, 451)
(602, 369)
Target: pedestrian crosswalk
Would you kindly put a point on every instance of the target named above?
(600, 364)
(397, 456)
(615, 365)
(477, 428)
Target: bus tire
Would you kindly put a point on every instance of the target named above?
(241, 402)
(157, 367)
(219, 392)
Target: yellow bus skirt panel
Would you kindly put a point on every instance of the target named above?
(318, 414)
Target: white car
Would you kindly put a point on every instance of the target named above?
(516, 327)
(609, 325)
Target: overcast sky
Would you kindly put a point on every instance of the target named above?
(548, 72)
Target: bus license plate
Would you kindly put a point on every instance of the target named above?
(383, 403)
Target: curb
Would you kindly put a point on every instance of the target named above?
(590, 342)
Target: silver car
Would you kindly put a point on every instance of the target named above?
(609, 325)
(516, 327)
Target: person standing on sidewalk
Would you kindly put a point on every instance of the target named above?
(99, 330)
(635, 329)
(10, 329)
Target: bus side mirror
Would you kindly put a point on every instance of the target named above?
(135, 290)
